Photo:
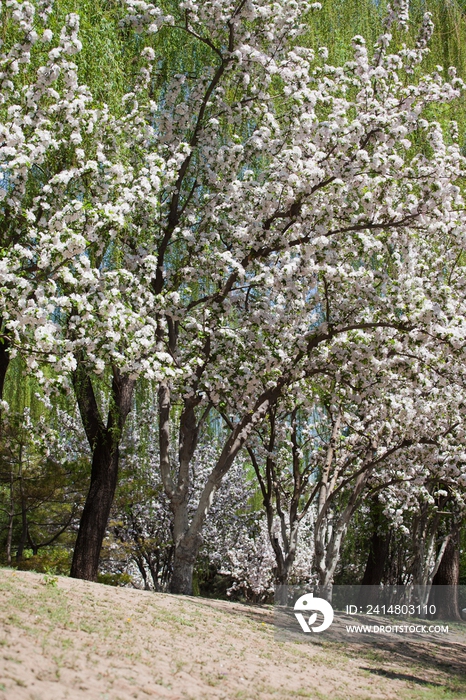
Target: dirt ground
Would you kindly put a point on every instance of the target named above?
(62, 638)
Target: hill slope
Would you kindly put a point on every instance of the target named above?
(62, 638)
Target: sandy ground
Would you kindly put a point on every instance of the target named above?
(62, 638)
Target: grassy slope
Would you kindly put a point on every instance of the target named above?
(62, 638)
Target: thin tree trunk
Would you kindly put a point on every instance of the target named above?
(140, 564)
(104, 442)
(11, 516)
(328, 538)
(22, 497)
(4, 360)
(24, 527)
(32, 544)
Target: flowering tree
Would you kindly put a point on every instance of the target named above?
(45, 118)
(222, 235)
(428, 508)
(320, 224)
(333, 444)
(358, 465)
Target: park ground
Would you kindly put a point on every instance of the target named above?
(66, 639)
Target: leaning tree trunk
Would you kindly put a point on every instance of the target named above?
(96, 511)
(104, 441)
(328, 537)
(444, 591)
(187, 534)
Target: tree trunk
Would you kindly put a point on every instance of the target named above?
(140, 564)
(284, 553)
(11, 517)
(329, 534)
(379, 547)
(182, 577)
(32, 544)
(186, 545)
(96, 511)
(444, 591)
(378, 554)
(24, 527)
(4, 361)
(24, 521)
(183, 565)
(104, 442)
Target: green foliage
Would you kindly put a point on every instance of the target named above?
(355, 549)
(114, 579)
(340, 20)
(51, 561)
(43, 468)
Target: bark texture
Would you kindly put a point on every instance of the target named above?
(444, 592)
(183, 567)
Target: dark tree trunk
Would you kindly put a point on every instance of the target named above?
(24, 526)
(94, 518)
(11, 516)
(379, 548)
(32, 544)
(377, 558)
(104, 442)
(24, 521)
(140, 564)
(4, 362)
(444, 592)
